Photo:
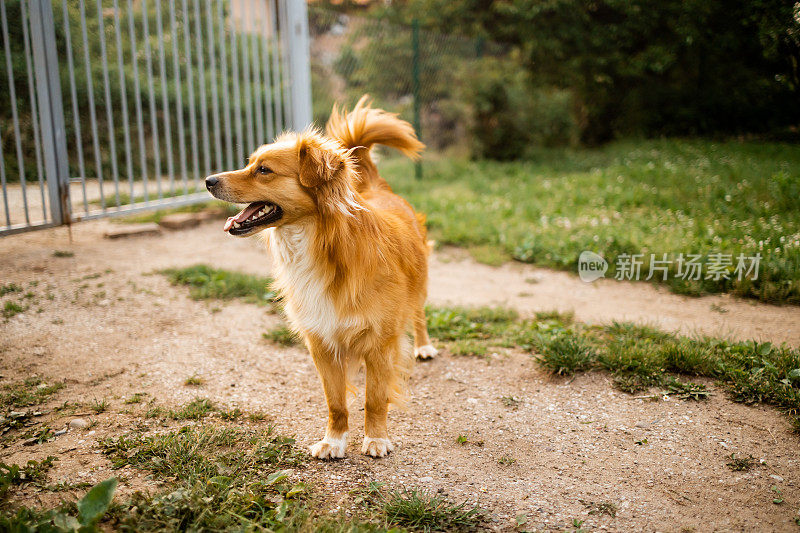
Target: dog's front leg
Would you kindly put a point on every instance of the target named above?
(376, 436)
(332, 373)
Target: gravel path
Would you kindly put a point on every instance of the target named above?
(110, 328)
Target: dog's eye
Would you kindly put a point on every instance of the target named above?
(264, 170)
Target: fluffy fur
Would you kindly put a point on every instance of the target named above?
(349, 257)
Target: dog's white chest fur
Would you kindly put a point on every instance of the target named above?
(308, 305)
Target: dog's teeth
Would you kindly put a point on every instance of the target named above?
(236, 224)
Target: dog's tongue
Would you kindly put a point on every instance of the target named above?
(243, 215)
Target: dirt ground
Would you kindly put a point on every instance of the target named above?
(111, 328)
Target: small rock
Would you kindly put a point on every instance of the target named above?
(642, 424)
(78, 423)
(30, 442)
(60, 432)
(426, 479)
(776, 477)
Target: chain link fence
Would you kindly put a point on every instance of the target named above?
(429, 78)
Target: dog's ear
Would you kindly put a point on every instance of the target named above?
(318, 165)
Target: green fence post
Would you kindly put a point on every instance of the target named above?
(415, 87)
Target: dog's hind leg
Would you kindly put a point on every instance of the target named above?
(423, 348)
(332, 372)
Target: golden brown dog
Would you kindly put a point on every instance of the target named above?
(350, 258)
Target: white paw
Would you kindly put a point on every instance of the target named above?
(329, 448)
(376, 447)
(426, 352)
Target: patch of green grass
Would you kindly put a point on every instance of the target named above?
(194, 410)
(13, 308)
(632, 196)
(137, 397)
(27, 393)
(207, 283)
(32, 472)
(488, 254)
(421, 511)
(566, 353)
(219, 479)
(741, 463)
(63, 253)
(283, 336)
(99, 406)
(468, 347)
(638, 357)
(9, 288)
(194, 381)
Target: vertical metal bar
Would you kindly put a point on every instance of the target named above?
(297, 57)
(257, 88)
(123, 95)
(151, 93)
(14, 117)
(92, 113)
(248, 81)
(237, 93)
(137, 99)
(187, 50)
(162, 69)
(51, 112)
(176, 68)
(76, 119)
(202, 84)
(283, 42)
(214, 93)
(270, 124)
(277, 87)
(416, 88)
(3, 181)
(226, 101)
(112, 141)
(37, 138)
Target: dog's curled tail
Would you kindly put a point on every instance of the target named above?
(364, 126)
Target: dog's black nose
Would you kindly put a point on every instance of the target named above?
(211, 181)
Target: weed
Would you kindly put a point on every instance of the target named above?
(32, 472)
(601, 508)
(510, 401)
(13, 308)
(232, 414)
(420, 511)
(99, 406)
(27, 393)
(194, 381)
(566, 353)
(506, 460)
(283, 336)
(741, 464)
(778, 495)
(468, 347)
(462, 439)
(194, 410)
(137, 397)
(688, 391)
(207, 283)
(9, 288)
(63, 253)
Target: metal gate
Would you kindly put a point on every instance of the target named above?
(117, 106)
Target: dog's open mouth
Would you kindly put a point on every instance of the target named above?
(251, 217)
